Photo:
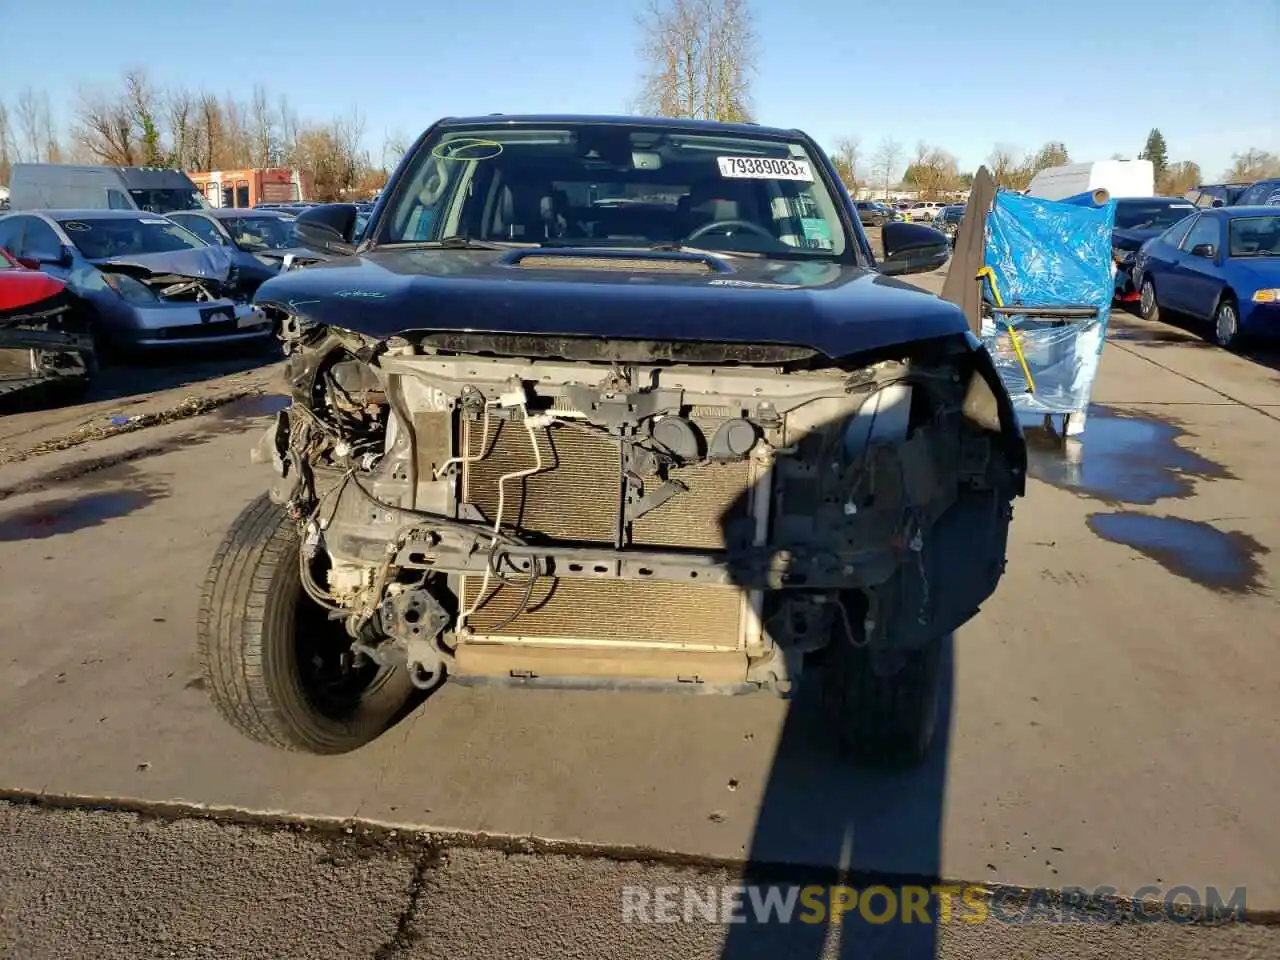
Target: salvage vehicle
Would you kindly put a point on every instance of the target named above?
(1220, 267)
(612, 403)
(257, 241)
(144, 281)
(43, 341)
(1138, 219)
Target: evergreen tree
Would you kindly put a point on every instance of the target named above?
(1157, 151)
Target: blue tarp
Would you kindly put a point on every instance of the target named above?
(1047, 253)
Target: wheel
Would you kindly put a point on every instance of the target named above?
(275, 666)
(1148, 308)
(883, 721)
(1226, 324)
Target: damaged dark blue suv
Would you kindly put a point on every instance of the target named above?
(612, 402)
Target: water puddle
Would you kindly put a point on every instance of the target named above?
(1227, 562)
(1120, 458)
(257, 405)
(55, 517)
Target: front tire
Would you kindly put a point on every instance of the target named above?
(276, 668)
(1226, 324)
(883, 721)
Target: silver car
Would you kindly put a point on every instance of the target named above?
(146, 281)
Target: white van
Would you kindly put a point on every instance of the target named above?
(69, 186)
(1120, 178)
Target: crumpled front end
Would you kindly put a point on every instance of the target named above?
(592, 511)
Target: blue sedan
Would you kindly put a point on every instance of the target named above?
(1221, 266)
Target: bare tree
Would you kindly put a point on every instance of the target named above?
(886, 162)
(288, 131)
(35, 137)
(699, 56)
(1007, 167)
(933, 172)
(1252, 164)
(846, 158)
(394, 146)
(103, 128)
(1179, 177)
(180, 117)
(262, 129)
(6, 144)
(143, 108)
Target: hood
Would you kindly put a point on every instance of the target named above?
(837, 309)
(207, 263)
(1131, 239)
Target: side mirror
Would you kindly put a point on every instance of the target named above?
(1217, 202)
(1206, 250)
(329, 228)
(62, 258)
(912, 248)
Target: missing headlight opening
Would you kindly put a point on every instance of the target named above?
(576, 513)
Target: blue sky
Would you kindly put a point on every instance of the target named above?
(1096, 75)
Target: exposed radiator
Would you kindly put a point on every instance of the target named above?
(606, 611)
(578, 498)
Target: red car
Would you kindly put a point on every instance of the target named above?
(41, 337)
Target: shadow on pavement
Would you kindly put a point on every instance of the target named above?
(854, 845)
(882, 830)
(1178, 330)
(141, 374)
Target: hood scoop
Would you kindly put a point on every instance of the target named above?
(620, 262)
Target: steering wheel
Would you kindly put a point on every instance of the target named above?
(727, 226)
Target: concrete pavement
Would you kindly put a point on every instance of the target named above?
(1112, 711)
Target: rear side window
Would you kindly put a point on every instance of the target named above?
(1176, 234)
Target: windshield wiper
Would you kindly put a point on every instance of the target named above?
(459, 242)
(452, 242)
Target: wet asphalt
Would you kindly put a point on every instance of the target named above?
(1110, 718)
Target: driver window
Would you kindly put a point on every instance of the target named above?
(40, 242)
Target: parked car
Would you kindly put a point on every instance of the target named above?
(811, 461)
(145, 281)
(1221, 267)
(923, 210)
(873, 213)
(43, 338)
(1138, 219)
(1217, 194)
(1262, 193)
(258, 241)
(948, 220)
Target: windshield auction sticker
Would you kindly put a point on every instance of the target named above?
(764, 168)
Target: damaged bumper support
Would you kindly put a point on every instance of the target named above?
(539, 521)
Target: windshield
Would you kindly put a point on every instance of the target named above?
(260, 233)
(132, 236)
(1151, 215)
(618, 185)
(1254, 237)
(167, 201)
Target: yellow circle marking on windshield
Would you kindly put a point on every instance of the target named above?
(467, 148)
